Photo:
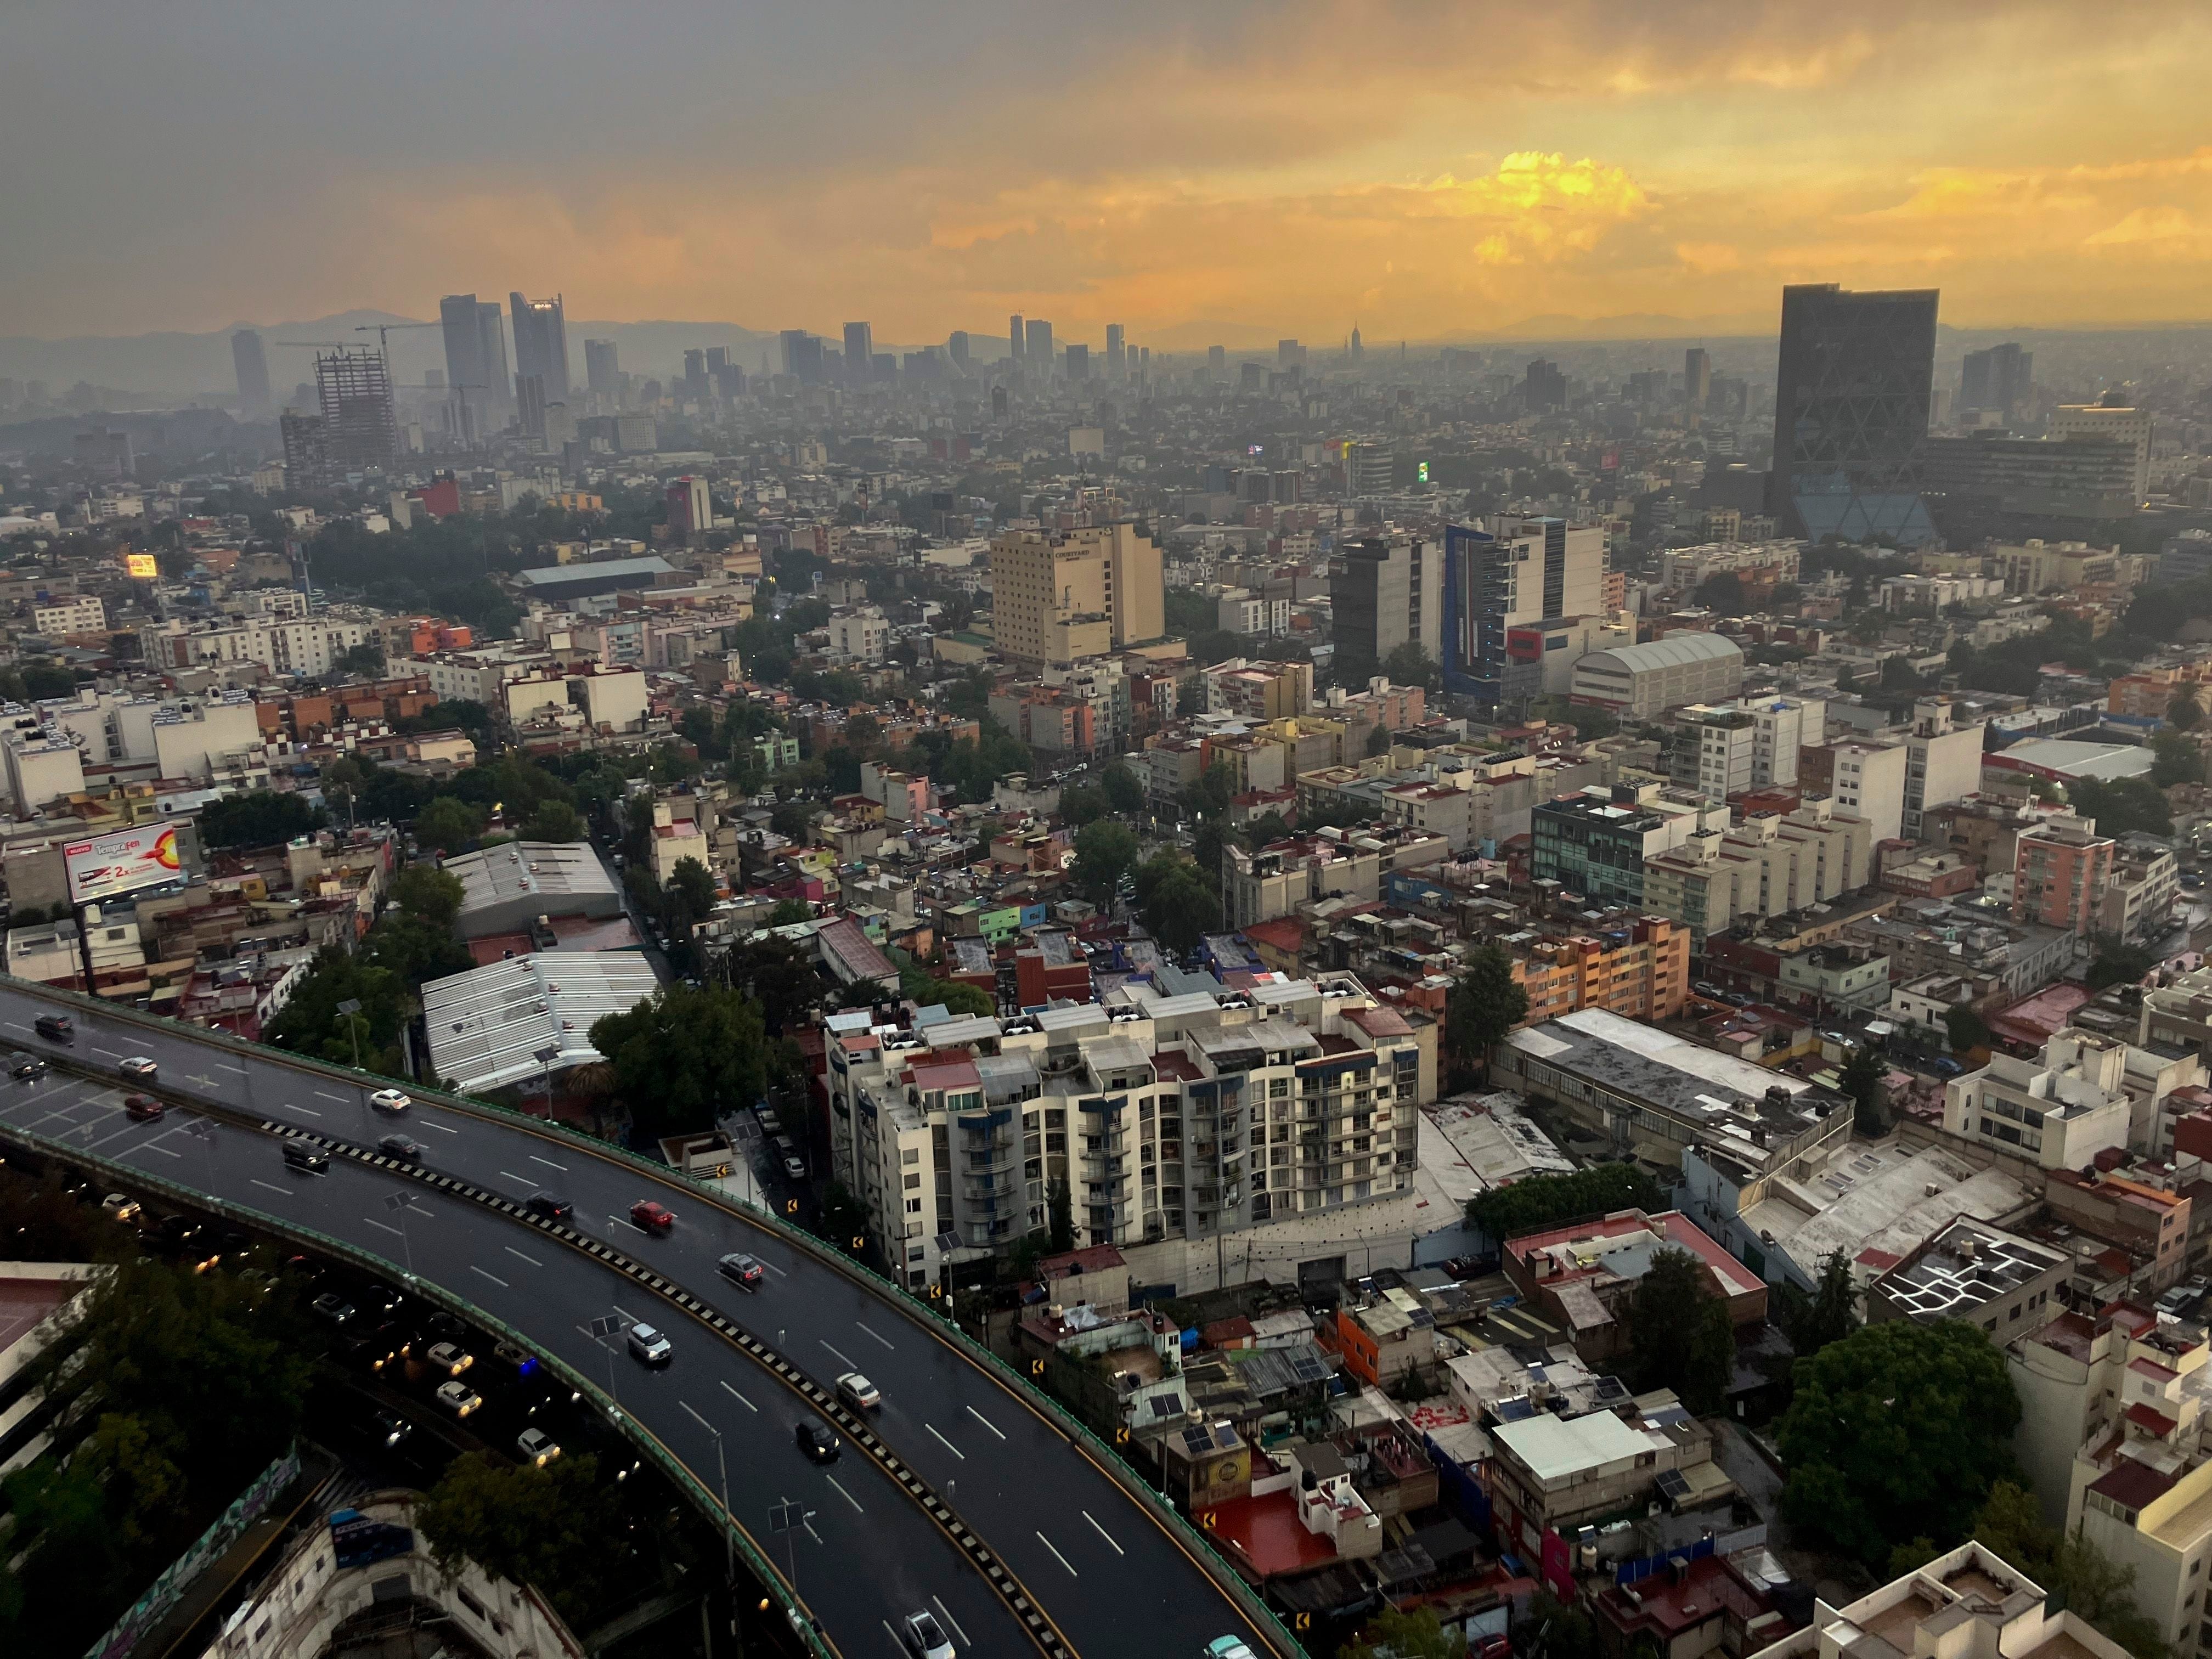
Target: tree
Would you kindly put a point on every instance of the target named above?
(2113, 960)
(691, 890)
(2184, 711)
(425, 891)
(1124, 793)
(2123, 805)
(1553, 1629)
(1966, 1029)
(311, 1025)
(448, 824)
(1209, 797)
(1379, 741)
(1179, 908)
(415, 950)
(1104, 852)
(555, 821)
(2177, 759)
(359, 662)
(1828, 1314)
(788, 912)
(1079, 806)
(1546, 1200)
(261, 818)
(680, 1055)
(1396, 1633)
(1723, 593)
(1408, 664)
(1483, 1006)
(2079, 1578)
(1059, 1208)
(1679, 1332)
(1897, 1431)
(1267, 828)
(555, 1527)
(793, 820)
(1861, 1079)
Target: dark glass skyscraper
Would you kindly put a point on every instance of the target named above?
(1850, 409)
(541, 343)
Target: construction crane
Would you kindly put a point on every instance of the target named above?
(382, 330)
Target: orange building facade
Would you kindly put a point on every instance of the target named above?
(1641, 972)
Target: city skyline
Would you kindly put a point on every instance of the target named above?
(1427, 172)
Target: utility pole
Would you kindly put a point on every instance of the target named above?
(349, 1011)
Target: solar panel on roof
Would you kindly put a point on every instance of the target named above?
(1198, 1441)
(1307, 1368)
(1671, 1484)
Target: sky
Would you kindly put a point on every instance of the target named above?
(1422, 168)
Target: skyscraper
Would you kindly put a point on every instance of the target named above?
(1114, 351)
(1516, 572)
(466, 370)
(1039, 346)
(252, 362)
(1995, 380)
(694, 375)
(1697, 377)
(1078, 362)
(1545, 387)
(541, 343)
(957, 349)
(602, 369)
(354, 389)
(1382, 594)
(1217, 363)
(530, 404)
(1015, 335)
(1850, 409)
(802, 355)
(860, 352)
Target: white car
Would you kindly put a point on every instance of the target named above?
(650, 1344)
(856, 1391)
(450, 1357)
(121, 1206)
(391, 1099)
(138, 1065)
(920, 1635)
(458, 1398)
(537, 1447)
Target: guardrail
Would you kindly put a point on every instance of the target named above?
(800, 1618)
(1192, 1541)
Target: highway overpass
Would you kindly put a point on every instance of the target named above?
(968, 1491)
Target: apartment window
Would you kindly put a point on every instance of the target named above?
(913, 1207)
(913, 1182)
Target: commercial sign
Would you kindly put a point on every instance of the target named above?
(142, 565)
(121, 863)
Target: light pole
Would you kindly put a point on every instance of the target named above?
(545, 1057)
(729, 1526)
(601, 1329)
(202, 1129)
(787, 1517)
(399, 1201)
(349, 1010)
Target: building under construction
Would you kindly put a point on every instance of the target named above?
(355, 388)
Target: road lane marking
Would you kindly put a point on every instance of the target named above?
(700, 1421)
(228, 1066)
(986, 1422)
(894, 1635)
(325, 1094)
(148, 1147)
(534, 1158)
(271, 1186)
(525, 1180)
(1102, 1533)
(741, 1399)
(309, 1110)
(846, 1496)
(113, 1053)
(885, 1340)
(833, 1348)
(777, 1271)
(810, 1532)
(95, 1145)
(947, 1444)
(950, 1621)
(532, 1260)
(625, 1313)
(495, 1277)
(1057, 1556)
(16, 1025)
(373, 1222)
(442, 1128)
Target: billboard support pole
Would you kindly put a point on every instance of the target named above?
(84, 949)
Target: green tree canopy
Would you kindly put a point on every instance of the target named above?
(1966, 1028)
(1546, 1200)
(1861, 1079)
(448, 824)
(1828, 1313)
(1897, 1431)
(1124, 794)
(261, 818)
(1482, 1007)
(1179, 908)
(1681, 1336)
(1105, 851)
(2078, 1577)
(556, 1529)
(1408, 664)
(425, 891)
(789, 913)
(1080, 805)
(2177, 759)
(1398, 1633)
(680, 1055)
(2123, 807)
(553, 820)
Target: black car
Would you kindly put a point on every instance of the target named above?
(816, 1439)
(26, 1068)
(398, 1146)
(551, 1205)
(300, 1156)
(55, 1027)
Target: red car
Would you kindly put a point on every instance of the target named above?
(142, 1108)
(653, 1217)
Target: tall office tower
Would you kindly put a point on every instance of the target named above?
(957, 349)
(718, 359)
(2114, 420)
(252, 362)
(802, 356)
(1038, 347)
(729, 380)
(1995, 380)
(1289, 354)
(1016, 336)
(1371, 466)
(498, 382)
(354, 389)
(1851, 411)
(478, 380)
(1382, 593)
(541, 343)
(530, 404)
(1357, 350)
(602, 369)
(1510, 573)
(1114, 367)
(860, 352)
(694, 375)
(1056, 598)
(1545, 387)
(1697, 377)
(1078, 362)
(1217, 363)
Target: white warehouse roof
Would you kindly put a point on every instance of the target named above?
(1675, 651)
(487, 1026)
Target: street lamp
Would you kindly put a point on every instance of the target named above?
(399, 1201)
(729, 1524)
(202, 1129)
(545, 1057)
(349, 1010)
(787, 1517)
(600, 1329)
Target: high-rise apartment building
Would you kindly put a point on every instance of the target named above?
(602, 369)
(1382, 594)
(2060, 867)
(1058, 598)
(355, 388)
(1697, 377)
(1516, 573)
(541, 343)
(860, 352)
(1114, 351)
(248, 357)
(1942, 761)
(690, 507)
(1017, 338)
(306, 456)
(1851, 401)
(1371, 466)
(1995, 381)
(1039, 346)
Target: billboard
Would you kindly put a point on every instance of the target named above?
(142, 565)
(122, 862)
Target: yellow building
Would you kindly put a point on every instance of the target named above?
(1058, 598)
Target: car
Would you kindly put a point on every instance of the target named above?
(551, 1205)
(1704, 988)
(1945, 1066)
(1229, 1647)
(333, 1307)
(537, 1446)
(55, 1027)
(1737, 999)
(650, 1344)
(922, 1636)
(390, 1427)
(141, 1109)
(653, 1217)
(26, 1068)
(856, 1391)
(795, 1167)
(391, 1099)
(138, 1065)
(741, 1269)
(458, 1398)
(398, 1146)
(310, 1160)
(515, 1358)
(450, 1357)
(121, 1206)
(816, 1439)
(771, 1124)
